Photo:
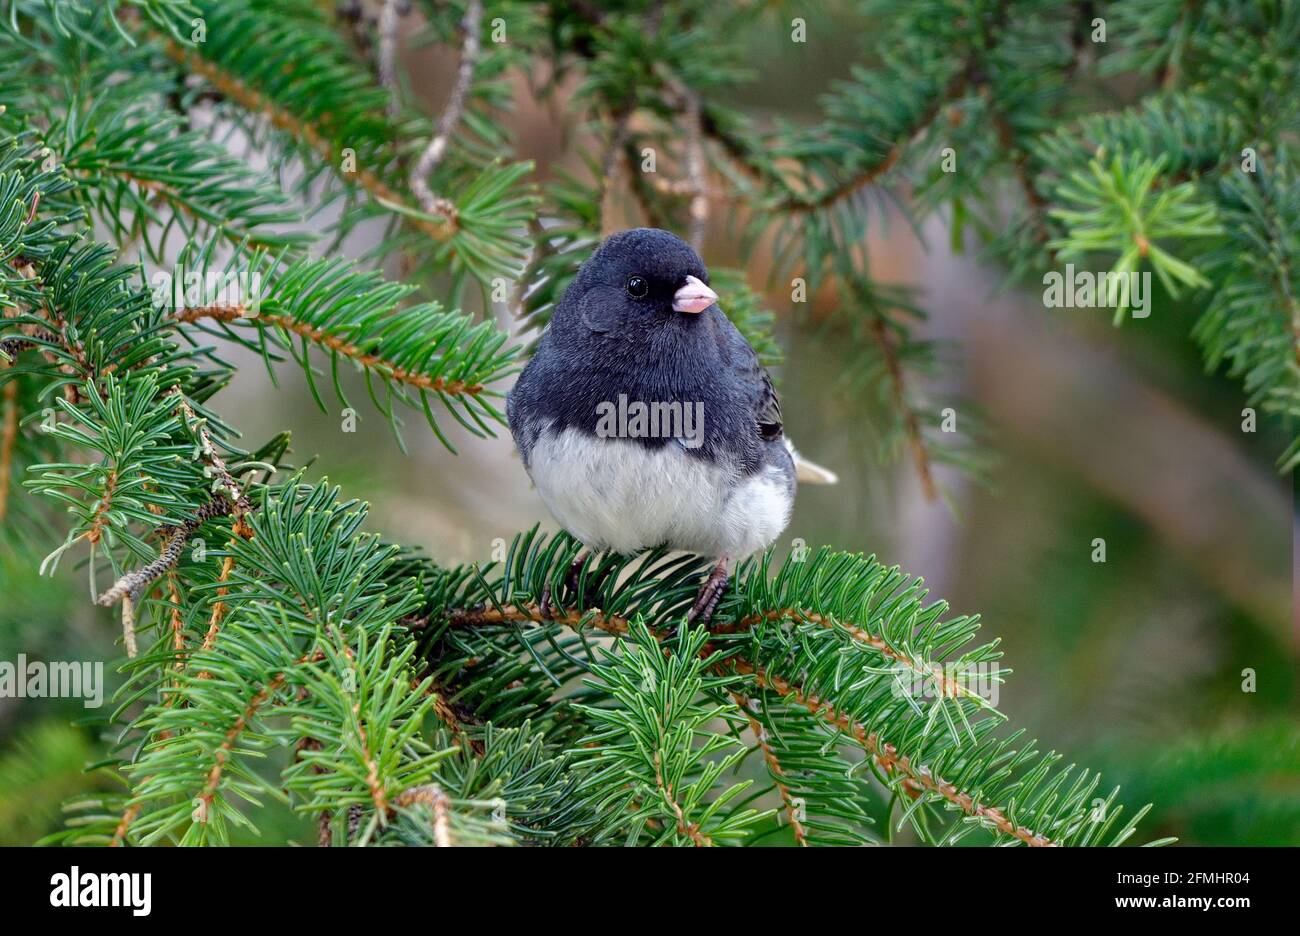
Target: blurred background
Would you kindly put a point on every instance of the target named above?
(1134, 666)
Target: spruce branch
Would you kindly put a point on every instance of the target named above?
(237, 313)
(807, 201)
(439, 804)
(131, 161)
(418, 353)
(939, 749)
(132, 584)
(439, 228)
(1117, 208)
(896, 764)
(773, 762)
(417, 698)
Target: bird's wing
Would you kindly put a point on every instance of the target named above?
(767, 407)
(755, 378)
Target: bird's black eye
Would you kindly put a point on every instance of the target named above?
(637, 287)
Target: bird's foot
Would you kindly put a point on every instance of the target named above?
(711, 592)
(544, 607)
(595, 580)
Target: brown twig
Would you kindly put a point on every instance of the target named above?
(1036, 203)
(437, 146)
(896, 763)
(949, 688)
(431, 795)
(168, 195)
(132, 584)
(377, 792)
(177, 619)
(240, 529)
(912, 777)
(225, 482)
(530, 612)
(911, 422)
(689, 829)
(99, 519)
(124, 824)
(620, 124)
(695, 172)
(8, 440)
(252, 100)
(745, 704)
(803, 203)
(389, 19)
(222, 755)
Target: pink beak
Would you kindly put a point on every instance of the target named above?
(695, 296)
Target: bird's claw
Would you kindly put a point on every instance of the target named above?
(544, 607)
(545, 604)
(711, 592)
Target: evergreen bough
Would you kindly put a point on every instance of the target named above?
(431, 705)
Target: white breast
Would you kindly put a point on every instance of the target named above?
(619, 495)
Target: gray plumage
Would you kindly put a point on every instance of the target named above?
(618, 331)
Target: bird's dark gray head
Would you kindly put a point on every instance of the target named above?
(640, 322)
(638, 279)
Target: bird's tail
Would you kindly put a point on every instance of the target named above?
(809, 472)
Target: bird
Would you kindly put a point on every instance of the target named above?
(645, 419)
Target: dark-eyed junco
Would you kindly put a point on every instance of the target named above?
(645, 419)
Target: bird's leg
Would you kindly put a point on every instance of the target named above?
(572, 580)
(544, 605)
(711, 593)
(575, 569)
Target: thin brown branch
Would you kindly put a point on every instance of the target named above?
(226, 482)
(231, 313)
(240, 529)
(177, 202)
(911, 422)
(889, 757)
(746, 706)
(949, 687)
(128, 626)
(254, 101)
(57, 334)
(542, 249)
(806, 202)
(431, 795)
(8, 442)
(177, 619)
(124, 824)
(620, 122)
(389, 19)
(447, 714)
(376, 787)
(531, 613)
(99, 519)
(1034, 201)
(436, 148)
(133, 583)
(223, 753)
(695, 172)
(689, 829)
(644, 186)
(913, 778)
